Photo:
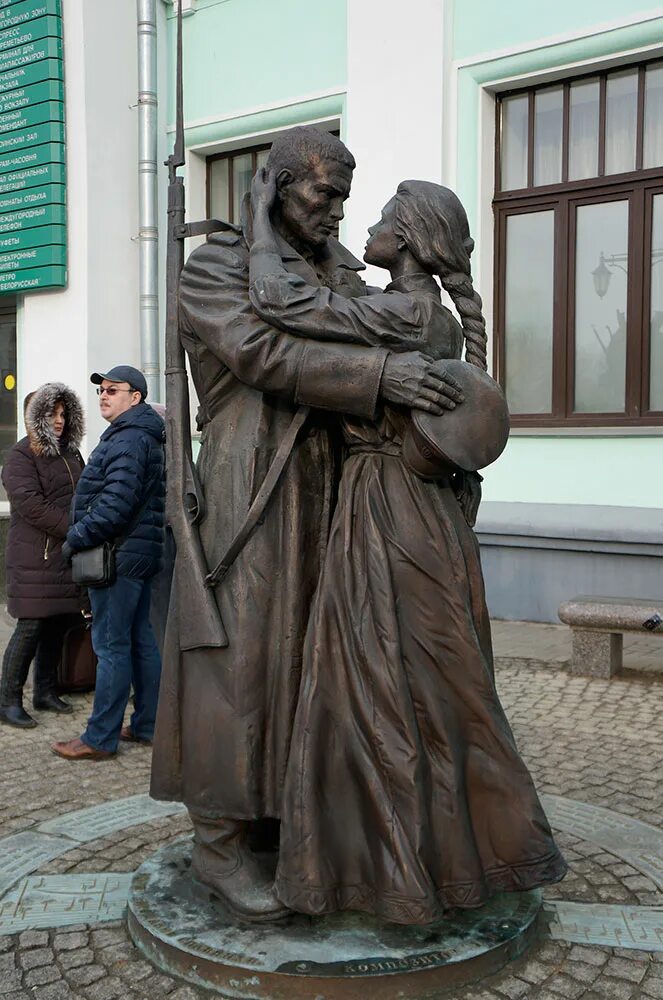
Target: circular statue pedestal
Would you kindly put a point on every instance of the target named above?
(187, 932)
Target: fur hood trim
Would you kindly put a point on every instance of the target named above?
(40, 432)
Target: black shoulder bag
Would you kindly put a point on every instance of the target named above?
(96, 567)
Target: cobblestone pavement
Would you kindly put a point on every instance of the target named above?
(597, 742)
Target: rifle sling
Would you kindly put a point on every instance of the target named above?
(261, 499)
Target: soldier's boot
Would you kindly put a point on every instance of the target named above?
(222, 861)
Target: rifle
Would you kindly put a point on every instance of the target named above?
(200, 622)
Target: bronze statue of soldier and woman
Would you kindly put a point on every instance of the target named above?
(355, 701)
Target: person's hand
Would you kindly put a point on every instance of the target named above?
(412, 379)
(467, 487)
(67, 551)
(263, 190)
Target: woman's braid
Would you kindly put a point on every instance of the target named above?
(469, 305)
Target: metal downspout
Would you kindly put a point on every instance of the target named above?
(148, 233)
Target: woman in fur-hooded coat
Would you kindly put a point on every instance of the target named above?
(40, 475)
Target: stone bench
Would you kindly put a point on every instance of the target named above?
(598, 624)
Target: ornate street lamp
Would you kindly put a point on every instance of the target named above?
(601, 275)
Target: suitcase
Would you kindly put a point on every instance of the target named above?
(77, 669)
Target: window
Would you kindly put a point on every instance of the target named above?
(229, 178)
(579, 250)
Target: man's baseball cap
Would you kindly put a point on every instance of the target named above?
(122, 373)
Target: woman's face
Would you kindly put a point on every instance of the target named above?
(382, 245)
(57, 419)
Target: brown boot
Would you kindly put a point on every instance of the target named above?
(223, 863)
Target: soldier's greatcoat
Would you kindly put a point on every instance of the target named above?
(225, 715)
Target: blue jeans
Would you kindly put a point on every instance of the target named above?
(127, 652)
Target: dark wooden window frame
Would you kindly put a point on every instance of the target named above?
(638, 187)
(230, 155)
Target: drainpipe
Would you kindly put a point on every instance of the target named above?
(148, 233)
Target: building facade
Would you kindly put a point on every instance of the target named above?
(547, 121)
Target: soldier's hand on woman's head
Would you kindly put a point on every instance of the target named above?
(263, 190)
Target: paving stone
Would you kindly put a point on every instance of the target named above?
(7, 943)
(155, 986)
(106, 989)
(566, 987)
(85, 975)
(74, 959)
(653, 988)
(591, 956)
(71, 941)
(108, 936)
(185, 994)
(10, 982)
(614, 989)
(7, 962)
(534, 972)
(41, 976)
(39, 956)
(33, 939)
(512, 988)
(54, 991)
(122, 951)
(622, 968)
(582, 972)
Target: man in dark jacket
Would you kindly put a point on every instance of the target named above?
(120, 497)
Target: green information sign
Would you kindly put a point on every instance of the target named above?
(48, 90)
(51, 152)
(32, 279)
(27, 34)
(25, 10)
(49, 132)
(30, 218)
(37, 114)
(40, 237)
(48, 48)
(51, 194)
(47, 69)
(33, 234)
(32, 257)
(49, 173)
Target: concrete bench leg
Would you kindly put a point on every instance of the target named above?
(596, 654)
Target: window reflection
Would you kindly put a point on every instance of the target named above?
(600, 307)
(583, 129)
(515, 122)
(621, 119)
(529, 312)
(653, 127)
(242, 177)
(548, 136)
(656, 308)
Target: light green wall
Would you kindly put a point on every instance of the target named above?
(239, 54)
(484, 26)
(618, 471)
(592, 470)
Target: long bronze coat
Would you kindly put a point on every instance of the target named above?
(225, 715)
(405, 793)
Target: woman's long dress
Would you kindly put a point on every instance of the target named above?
(405, 793)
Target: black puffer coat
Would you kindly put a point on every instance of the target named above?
(40, 474)
(126, 466)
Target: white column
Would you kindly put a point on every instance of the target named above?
(93, 323)
(393, 121)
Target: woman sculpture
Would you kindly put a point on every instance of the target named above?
(405, 794)
(40, 476)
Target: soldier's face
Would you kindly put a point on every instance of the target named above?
(312, 207)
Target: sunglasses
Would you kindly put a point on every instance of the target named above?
(111, 390)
